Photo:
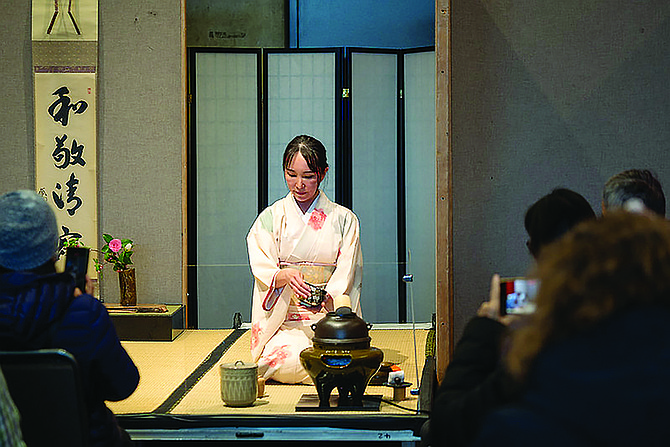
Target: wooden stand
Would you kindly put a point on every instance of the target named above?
(310, 402)
(162, 322)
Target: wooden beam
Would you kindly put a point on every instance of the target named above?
(444, 206)
(184, 159)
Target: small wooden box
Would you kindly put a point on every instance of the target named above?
(147, 322)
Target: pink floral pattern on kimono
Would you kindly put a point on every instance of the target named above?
(317, 219)
(255, 334)
(278, 356)
(300, 316)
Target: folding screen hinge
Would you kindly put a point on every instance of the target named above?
(345, 92)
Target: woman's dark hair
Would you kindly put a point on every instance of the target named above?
(311, 149)
(554, 215)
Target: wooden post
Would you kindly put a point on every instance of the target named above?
(444, 206)
(184, 159)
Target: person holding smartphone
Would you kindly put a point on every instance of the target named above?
(593, 358)
(475, 382)
(40, 308)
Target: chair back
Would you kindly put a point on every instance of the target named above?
(47, 390)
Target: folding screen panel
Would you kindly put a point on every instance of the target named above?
(393, 180)
(374, 117)
(384, 167)
(301, 93)
(226, 115)
(419, 99)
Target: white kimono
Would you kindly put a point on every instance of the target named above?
(324, 245)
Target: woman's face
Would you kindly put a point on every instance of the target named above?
(301, 180)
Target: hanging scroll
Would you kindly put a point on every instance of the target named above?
(64, 36)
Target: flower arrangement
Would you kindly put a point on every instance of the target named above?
(116, 252)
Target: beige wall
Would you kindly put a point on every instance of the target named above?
(140, 132)
(547, 94)
(16, 111)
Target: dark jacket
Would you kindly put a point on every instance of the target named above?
(607, 386)
(40, 312)
(474, 385)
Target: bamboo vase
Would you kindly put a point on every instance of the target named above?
(127, 287)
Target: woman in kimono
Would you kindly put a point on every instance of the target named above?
(298, 247)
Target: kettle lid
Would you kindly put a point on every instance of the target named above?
(342, 325)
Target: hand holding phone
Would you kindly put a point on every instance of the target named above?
(490, 309)
(76, 263)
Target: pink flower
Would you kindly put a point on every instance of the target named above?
(317, 219)
(115, 245)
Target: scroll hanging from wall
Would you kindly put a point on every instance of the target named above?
(65, 50)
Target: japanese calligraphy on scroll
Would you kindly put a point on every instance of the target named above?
(66, 150)
(64, 62)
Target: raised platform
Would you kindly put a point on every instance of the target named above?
(179, 395)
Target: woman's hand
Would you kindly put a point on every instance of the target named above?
(491, 308)
(88, 287)
(292, 278)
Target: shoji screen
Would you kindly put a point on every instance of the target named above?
(374, 173)
(226, 184)
(419, 94)
(301, 89)
(234, 176)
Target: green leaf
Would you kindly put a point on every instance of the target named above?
(107, 237)
(72, 242)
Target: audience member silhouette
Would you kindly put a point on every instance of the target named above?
(593, 358)
(632, 189)
(475, 382)
(10, 420)
(40, 308)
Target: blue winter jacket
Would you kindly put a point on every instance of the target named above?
(39, 312)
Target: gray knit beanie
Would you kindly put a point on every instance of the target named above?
(28, 230)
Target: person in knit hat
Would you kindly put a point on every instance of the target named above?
(28, 231)
(41, 308)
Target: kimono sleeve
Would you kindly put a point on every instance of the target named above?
(267, 310)
(264, 258)
(263, 250)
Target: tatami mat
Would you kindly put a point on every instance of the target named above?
(397, 345)
(165, 365)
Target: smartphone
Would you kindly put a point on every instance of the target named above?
(76, 264)
(517, 296)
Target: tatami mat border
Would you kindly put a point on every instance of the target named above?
(183, 389)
